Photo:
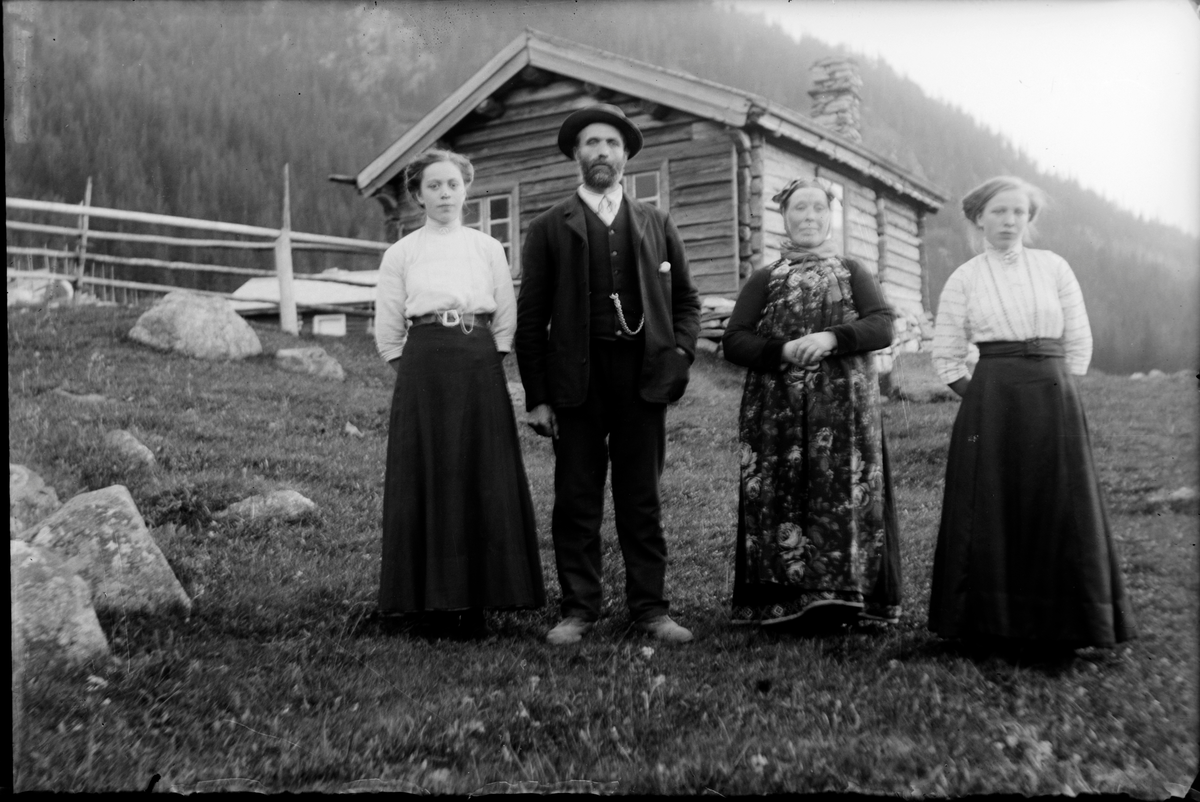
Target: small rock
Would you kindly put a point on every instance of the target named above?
(707, 346)
(106, 534)
(1183, 499)
(286, 505)
(312, 360)
(201, 326)
(52, 606)
(1155, 374)
(1137, 376)
(128, 450)
(85, 398)
(352, 430)
(29, 499)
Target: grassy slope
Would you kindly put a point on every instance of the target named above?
(281, 677)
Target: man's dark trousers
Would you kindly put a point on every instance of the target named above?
(635, 431)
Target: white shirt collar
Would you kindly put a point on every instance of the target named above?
(1007, 256)
(592, 198)
(443, 228)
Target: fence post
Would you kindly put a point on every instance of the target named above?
(288, 321)
(81, 250)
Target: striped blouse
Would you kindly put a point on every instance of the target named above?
(436, 268)
(1034, 295)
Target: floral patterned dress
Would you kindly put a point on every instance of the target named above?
(816, 522)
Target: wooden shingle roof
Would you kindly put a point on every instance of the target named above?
(670, 88)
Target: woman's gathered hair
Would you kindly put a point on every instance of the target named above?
(782, 196)
(415, 170)
(977, 199)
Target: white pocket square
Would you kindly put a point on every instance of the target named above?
(665, 267)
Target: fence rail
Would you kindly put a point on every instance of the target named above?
(71, 263)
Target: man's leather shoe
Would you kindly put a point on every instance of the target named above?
(570, 630)
(662, 628)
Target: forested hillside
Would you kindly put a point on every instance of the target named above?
(193, 109)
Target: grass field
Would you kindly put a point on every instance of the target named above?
(281, 679)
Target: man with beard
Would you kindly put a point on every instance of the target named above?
(606, 330)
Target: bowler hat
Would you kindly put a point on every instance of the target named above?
(599, 113)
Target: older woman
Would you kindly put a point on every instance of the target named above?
(458, 523)
(817, 527)
(1024, 553)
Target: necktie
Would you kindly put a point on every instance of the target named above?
(607, 210)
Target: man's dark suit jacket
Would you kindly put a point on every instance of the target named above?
(554, 292)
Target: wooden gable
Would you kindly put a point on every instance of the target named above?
(713, 156)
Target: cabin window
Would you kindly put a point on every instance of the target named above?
(645, 187)
(493, 215)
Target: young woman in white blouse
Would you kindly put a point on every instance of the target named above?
(459, 534)
(1025, 558)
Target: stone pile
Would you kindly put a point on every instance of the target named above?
(714, 317)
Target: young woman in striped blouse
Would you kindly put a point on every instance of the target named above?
(1025, 557)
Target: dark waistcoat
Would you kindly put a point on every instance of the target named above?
(612, 267)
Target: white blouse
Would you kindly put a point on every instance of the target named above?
(1020, 294)
(441, 267)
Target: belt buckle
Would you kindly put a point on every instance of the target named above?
(449, 317)
(1031, 346)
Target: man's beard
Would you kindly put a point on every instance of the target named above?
(600, 175)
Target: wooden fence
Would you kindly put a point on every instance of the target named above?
(84, 267)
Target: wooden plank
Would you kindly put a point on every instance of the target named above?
(700, 231)
(898, 294)
(704, 213)
(902, 217)
(900, 235)
(904, 277)
(720, 191)
(902, 250)
(862, 251)
(855, 216)
(717, 283)
(709, 248)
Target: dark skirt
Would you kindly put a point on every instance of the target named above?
(458, 521)
(1025, 552)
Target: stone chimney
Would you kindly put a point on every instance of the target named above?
(835, 96)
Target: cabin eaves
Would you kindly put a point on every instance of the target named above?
(671, 88)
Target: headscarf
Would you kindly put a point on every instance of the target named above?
(792, 251)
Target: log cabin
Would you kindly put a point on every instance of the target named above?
(713, 156)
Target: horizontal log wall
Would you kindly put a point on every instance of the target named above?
(862, 234)
(902, 276)
(518, 151)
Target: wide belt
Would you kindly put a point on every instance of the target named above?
(453, 317)
(1030, 349)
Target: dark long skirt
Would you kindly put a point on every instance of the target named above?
(458, 521)
(1024, 551)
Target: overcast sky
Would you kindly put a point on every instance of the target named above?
(1103, 91)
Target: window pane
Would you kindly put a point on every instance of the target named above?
(498, 208)
(645, 185)
(500, 231)
(471, 212)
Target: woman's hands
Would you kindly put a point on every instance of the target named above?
(810, 349)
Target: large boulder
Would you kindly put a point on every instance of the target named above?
(52, 607)
(105, 533)
(30, 499)
(129, 452)
(285, 505)
(313, 361)
(203, 326)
